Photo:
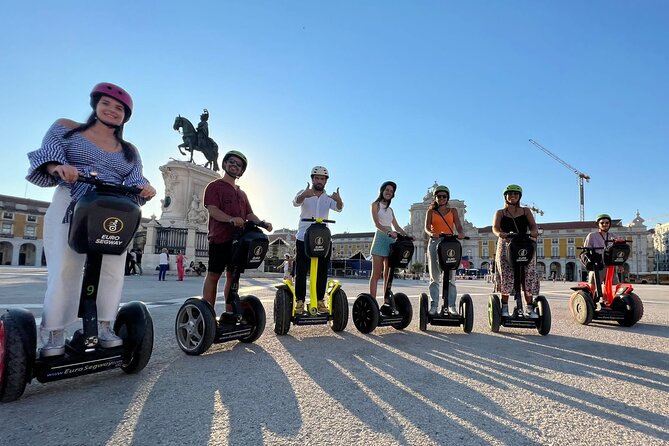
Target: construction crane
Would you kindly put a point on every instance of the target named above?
(535, 210)
(581, 175)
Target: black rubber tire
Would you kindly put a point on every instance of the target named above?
(283, 311)
(544, 310)
(581, 307)
(494, 313)
(18, 344)
(633, 310)
(423, 312)
(339, 311)
(195, 326)
(403, 305)
(253, 313)
(467, 312)
(135, 326)
(365, 313)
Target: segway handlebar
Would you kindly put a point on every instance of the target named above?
(105, 185)
(318, 220)
(401, 237)
(595, 248)
(452, 236)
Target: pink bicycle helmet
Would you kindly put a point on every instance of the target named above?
(113, 91)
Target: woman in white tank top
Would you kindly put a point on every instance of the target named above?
(387, 229)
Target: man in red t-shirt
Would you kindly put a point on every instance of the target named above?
(229, 209)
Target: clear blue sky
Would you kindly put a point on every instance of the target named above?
(413, 91)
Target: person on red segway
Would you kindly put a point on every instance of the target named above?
(70, 149)
(600, 239)
(514, 219)
(441, 219)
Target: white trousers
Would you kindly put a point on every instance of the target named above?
(65, 272)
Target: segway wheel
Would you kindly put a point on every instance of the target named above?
(283, 311)
(467, 312)
(195, 326)
(339, 311)
(253, 313)
(582, 308)
(135, 326)
(423, 312)
(403, 305)
(544, 310)
(633, 310)
(494, 313)
(18, 344)
(365, 313)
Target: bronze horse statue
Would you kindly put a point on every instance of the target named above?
(190, 144)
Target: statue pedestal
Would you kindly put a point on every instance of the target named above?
(184, 190)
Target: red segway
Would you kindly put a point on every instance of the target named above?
(620, 304)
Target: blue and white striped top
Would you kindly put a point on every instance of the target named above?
(81, 153)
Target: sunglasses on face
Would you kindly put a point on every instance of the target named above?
(442, 197)
(604, 222)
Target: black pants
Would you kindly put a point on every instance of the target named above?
(302, 266)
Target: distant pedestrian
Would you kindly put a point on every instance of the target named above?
(138, 260)
(180, 265)
(163, 263)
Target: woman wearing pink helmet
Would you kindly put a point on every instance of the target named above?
(68, 150)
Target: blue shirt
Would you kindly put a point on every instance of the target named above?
(81, 153)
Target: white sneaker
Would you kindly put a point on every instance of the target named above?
(106, 336)
(53, 343)
(505, 310)
(453, 311)
(531, 312)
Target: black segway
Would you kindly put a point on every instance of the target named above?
(521, 252)
(449, 253)
(104, 222)
(196, 326)
(398, 312)
(317, 246)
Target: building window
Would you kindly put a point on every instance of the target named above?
(571, 251)
(485, 252)
(30, 232)
(554, 251)
(6, 215)
(540, 250)
(555, 241)
(570, 240)
(7, 228)
(32, 218)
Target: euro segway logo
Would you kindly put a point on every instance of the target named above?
(113, 225)
(522, 255)
(620, 257)
(318, 241)
(450, 252)
(406, 254)
(257, 251)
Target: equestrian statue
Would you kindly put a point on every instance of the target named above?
(198, 139)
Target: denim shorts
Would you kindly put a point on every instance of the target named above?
(381, 244)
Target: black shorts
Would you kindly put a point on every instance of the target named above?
(219, 256)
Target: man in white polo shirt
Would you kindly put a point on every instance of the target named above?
(314, 202)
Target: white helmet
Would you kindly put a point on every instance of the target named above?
(320, 170)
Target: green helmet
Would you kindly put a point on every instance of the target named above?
(603, 216)
(441, 189)
(239, 155)
(513, 188)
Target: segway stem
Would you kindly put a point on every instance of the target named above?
(88, 309)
